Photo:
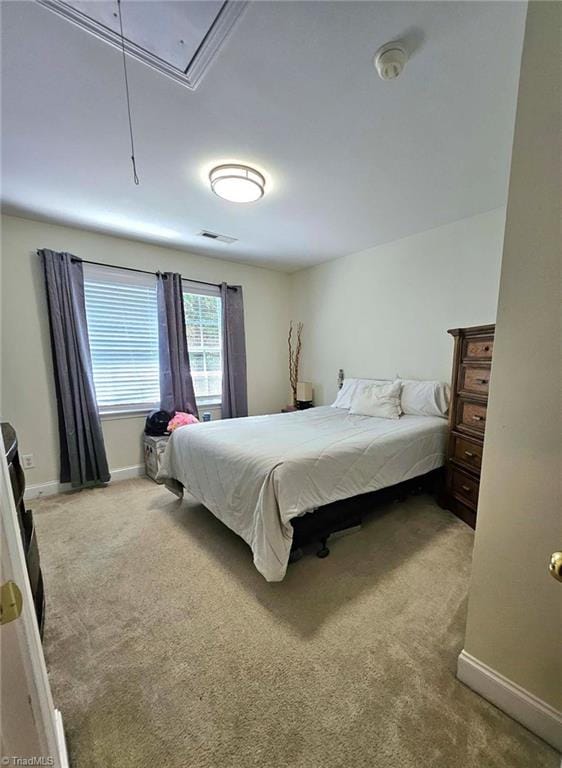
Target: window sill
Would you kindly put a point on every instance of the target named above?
(110, 415)
(143, 412)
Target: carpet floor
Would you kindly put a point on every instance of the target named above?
(165, 646)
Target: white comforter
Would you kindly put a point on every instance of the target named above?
(257, 473)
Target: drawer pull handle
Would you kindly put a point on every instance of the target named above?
(477, 418)
(469, 454)
(486, 349)
(465, 488)
(482, 381)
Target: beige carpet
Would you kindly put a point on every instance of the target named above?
(165, 647)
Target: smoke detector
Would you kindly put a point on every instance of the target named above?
(390, 60)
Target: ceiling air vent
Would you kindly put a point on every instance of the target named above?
(215, 236)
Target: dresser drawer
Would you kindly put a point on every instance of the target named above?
(466, 452)
(471, 415)
(474, 379)
(465, 487)
(478, 349)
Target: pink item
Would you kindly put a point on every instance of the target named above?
(181, 420)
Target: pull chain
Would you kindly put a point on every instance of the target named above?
(135, 176)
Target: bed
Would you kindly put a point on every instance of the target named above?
(259, 473)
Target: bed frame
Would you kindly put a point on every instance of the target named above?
(318, 526)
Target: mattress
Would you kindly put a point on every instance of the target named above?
(256, 474)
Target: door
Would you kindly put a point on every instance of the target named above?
(30, 726)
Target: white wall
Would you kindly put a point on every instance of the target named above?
(386, 310)
(28, 396)
(514, 618)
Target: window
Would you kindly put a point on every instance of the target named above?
(122, 317)
(203, 318)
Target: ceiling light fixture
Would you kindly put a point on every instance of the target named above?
(237, 183)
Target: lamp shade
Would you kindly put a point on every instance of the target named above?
(304, 391)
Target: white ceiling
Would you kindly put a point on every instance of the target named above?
(350, 161)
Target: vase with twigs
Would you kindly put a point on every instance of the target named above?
(295, 347)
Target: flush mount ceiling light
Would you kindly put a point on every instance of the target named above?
(237, 183)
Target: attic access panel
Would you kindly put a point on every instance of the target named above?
(178, 39)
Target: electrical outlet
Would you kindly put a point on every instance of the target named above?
(27, 461)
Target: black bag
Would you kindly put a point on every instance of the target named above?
(157, 423)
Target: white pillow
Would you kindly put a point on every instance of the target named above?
(381, 400)
(349, 388)
(343, 398)
(424, 398)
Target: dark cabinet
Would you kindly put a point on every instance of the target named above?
(26, 524)
(472, 364)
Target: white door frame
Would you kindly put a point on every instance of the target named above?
(47, 719)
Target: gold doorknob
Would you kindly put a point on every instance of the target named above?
(11, 601)
(555, 565)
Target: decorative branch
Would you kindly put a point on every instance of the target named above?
(294, 357)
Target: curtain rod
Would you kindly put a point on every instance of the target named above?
(143, 271)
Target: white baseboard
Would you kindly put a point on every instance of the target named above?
(536, 715)
(53, 487)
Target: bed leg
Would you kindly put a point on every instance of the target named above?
(295, 554)
(323, 551)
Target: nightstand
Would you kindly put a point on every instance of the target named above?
(154, 448)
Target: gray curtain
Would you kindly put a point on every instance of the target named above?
(176, 383)
(234, 384)
(82, 452)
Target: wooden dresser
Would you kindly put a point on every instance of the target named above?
(470, 383)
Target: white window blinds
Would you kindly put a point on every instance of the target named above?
(122, 317)
(203, 318)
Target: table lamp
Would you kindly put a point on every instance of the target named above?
(304, 395)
